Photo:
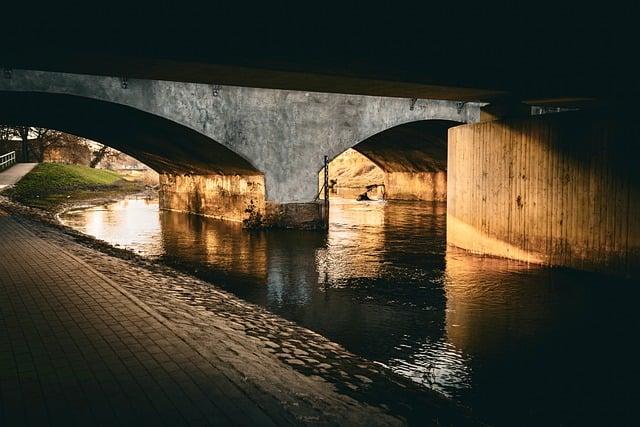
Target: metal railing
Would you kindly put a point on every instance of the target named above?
(7, 160)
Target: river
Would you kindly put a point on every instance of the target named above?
(519, 344)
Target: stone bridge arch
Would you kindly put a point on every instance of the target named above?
(164, 145)
(282, 134)
(179, 154)
(413, 157)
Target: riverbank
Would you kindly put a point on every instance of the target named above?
(211, 316)
(78, 348)
(51, 186)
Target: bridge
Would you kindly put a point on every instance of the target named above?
(221, 150)
(557, 189)
(236, 104)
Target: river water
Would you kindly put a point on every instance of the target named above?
(519, 344)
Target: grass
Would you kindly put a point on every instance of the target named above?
(50, 184)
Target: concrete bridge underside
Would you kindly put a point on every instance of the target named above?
(221, 150)
(559, 189)
(413, 157)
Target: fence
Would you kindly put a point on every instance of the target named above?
(7, 160)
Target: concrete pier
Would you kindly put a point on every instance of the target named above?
(426, 186)
(226, 197)
(561, 189)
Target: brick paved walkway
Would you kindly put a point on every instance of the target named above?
(76, 349)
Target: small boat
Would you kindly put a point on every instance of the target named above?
(363, 197)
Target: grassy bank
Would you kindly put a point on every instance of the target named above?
(49, 185)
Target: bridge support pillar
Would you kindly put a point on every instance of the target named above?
(302, 216)
(561, 189)
(239, 198)
(228, 197)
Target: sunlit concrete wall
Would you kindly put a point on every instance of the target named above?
(413, 157)
(239, 198)
(560, 190)
(228, 197)
(427, 186)
(352, 172)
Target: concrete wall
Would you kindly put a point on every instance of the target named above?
(301, 216)
(238, 198)
(217, 196)
(352, 172)
(560, 189)
(427, 186)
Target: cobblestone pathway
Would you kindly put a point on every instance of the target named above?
(76, 348)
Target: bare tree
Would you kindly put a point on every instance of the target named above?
(22, 132)
(41, 140)
(102, 153)
(5, 133)
(7, 143)
(37, 141)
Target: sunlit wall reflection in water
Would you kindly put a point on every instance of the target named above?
(131, 223)
(519, 344)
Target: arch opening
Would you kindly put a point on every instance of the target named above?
(405, 162)
(197, 174)
(166, 146)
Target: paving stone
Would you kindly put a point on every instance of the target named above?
(83, 350)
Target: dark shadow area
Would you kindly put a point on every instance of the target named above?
(411, 147)
(531, 50)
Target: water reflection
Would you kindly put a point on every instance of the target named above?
(236, 255)
(131, 223)
(551, 345)
(520, 344)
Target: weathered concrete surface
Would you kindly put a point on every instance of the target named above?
(354, 173)
(281, 133)
(305, 216)
(238, 198)
(427, 186)
(560, 189)
(225, 197)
